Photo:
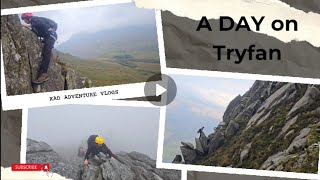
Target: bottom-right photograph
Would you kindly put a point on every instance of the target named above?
(241, 123)
(193, 175)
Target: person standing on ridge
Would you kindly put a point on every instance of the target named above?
(45, 29)
(95, 146)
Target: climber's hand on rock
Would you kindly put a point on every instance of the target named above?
(86, 162)
(25, 26)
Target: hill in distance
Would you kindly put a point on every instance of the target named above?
(112, 57)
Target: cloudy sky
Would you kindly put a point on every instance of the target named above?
(124, 128)
(200, 101)
(93, 19)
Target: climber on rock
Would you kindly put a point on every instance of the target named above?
(45, 29)
(95, 146)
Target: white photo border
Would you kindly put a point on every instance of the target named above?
(43, 99)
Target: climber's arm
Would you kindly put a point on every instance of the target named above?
(86, 157)
(107, 151)
(26, 26)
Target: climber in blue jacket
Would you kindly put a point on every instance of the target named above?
(45, 29)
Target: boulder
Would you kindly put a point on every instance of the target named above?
(204, 142)
(232, 128)
(244, 153)
(199, 147)
(287, 125)
(216, 142)
(189, 155)
(300, 141)
(311, 95)
(177, 159)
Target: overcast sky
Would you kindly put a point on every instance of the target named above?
(92, 19)
(200, 101)
(124, 128)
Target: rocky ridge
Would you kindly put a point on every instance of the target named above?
(133, 165)
(22, 57)
(273, 126)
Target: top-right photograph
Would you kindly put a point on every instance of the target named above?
(274, 37)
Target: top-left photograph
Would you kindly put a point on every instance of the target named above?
(78, 48)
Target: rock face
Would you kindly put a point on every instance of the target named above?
(40, 152)
(133, 165)
(22, 58)
(273, 126)
(10, 137)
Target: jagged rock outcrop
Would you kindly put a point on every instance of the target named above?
(133, 165)
(10, 137)
(273, 126)
(41, 152)
(22, 58)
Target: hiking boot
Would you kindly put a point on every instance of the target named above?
(42, 78)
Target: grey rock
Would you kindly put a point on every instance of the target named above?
(189, 155)
(272, 99)
(229, 111)
(244, 153)
(290, 132)
(287, 125)
(132, 165)
(300, 141)
(177, 159)
(232, 128)
(204, 142)
(34, 147)
(22, 58)
(199, 147)
(216, 142)
(311, 95)
(187, 145)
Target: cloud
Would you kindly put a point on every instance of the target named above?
(208, 112)
(217, 97)
(94, 19)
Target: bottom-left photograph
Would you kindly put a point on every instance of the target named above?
(86, 142)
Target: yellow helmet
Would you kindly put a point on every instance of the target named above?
(99, 140)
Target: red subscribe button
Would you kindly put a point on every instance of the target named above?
(30, 167)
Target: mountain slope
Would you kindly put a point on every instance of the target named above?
(134, 165)
(138, 39)
(22, 58)
(274, 126)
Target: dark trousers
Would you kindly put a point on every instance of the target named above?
(46, 53)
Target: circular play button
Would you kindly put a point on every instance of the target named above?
(160, 85)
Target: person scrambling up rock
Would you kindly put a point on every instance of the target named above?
(45, 29)
(95, 146)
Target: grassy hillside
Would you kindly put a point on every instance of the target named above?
(265, 141)
(106, 72)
